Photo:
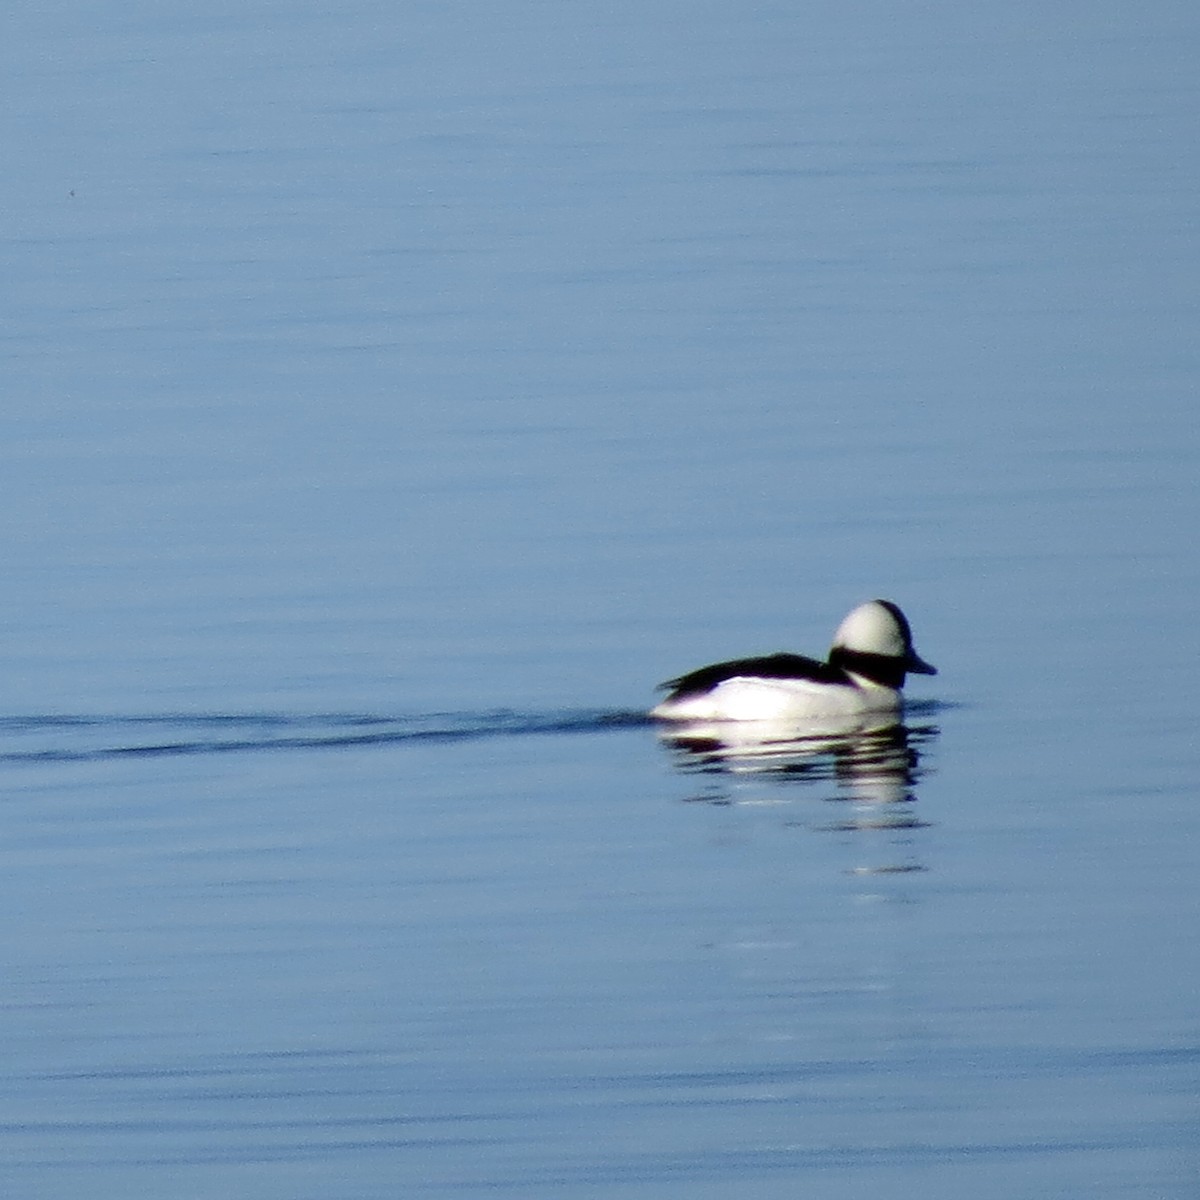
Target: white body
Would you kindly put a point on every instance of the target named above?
(748, 699)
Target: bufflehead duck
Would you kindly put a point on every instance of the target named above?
(872, 652)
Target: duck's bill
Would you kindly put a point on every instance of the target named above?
(918, 666)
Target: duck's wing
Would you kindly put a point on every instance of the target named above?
(771, 666)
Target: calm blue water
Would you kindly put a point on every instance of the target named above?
(392, 396)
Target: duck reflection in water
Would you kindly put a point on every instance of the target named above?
(874, 760)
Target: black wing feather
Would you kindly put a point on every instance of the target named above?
(771, 666)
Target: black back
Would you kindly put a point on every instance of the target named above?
(772, 666)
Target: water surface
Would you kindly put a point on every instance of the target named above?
(392, 398)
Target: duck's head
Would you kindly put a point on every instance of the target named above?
(875, 642)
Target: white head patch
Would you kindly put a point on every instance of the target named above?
(872, 628)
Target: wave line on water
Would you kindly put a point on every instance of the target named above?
(85, 738)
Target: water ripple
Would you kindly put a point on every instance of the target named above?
(83, 738)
